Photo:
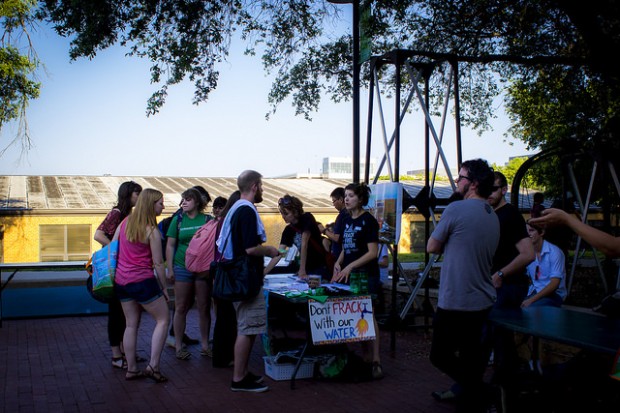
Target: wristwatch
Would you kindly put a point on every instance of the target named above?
(500, 274)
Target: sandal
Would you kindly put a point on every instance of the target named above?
(183, 354)
(206, 352)
(119, 362)
(134, 375)
(151, 373)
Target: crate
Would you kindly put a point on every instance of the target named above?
(284, 371)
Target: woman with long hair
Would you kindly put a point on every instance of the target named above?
(127, 196)
(302, 231)
(360, 244)
(135, 284)
(187, 284)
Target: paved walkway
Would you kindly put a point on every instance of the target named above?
(63, 365)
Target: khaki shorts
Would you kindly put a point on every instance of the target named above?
(252, 315)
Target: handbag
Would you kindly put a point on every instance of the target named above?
(104, 268)
(236, 279)
(89, 283)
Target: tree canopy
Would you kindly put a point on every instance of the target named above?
(555, 64)
(17, 64)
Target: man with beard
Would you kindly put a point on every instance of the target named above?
(467, 235)
(245, 233)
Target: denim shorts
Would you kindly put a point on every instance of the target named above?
(184, 275)
(143, 292)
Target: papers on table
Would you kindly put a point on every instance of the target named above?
(286, 283)
(282, 283)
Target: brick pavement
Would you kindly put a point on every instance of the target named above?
(63, 365)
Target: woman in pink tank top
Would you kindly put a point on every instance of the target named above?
(140, 275)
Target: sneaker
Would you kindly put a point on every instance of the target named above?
(254, 377)
(188, 341)
(497, 402)
(442, 396)
(248, 385)
(377, 371)
(170, 342)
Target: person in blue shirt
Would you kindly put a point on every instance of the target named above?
(547, 272)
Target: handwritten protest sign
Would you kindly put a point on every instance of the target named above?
(341, 319)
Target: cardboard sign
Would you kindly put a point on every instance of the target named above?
(341, 319)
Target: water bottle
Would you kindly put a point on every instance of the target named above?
(354, 282)
(363, 281)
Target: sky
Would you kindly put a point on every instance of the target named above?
(90, 119)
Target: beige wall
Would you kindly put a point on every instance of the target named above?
(21, 236)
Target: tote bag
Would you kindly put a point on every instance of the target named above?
(104, 269)
(236, 279)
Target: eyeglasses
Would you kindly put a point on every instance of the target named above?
(461, 177)
(285, 200)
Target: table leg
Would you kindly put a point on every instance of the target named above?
(298, 364)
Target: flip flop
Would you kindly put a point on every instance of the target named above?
(183, 354)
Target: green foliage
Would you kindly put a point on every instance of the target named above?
(551, 58)
(510, 169)
(17, 86)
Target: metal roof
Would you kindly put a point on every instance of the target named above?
(99, 193)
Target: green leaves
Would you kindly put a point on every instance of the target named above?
(17, 84)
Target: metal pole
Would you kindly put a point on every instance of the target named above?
(356, 91)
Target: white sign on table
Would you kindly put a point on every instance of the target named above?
(341, 319)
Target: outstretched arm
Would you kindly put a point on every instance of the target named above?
(602, 241)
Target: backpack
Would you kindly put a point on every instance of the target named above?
(201, 249)
(163, 226)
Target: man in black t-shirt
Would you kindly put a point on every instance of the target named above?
(514, 252)
(335, 234)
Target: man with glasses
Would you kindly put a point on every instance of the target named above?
(513, 254)
(467, 235)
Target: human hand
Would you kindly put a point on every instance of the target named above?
(526, 303)
(551, 217)
(341, 275)
(497, 280)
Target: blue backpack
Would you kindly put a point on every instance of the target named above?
(165, 224)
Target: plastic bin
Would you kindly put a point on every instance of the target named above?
(284, 371)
